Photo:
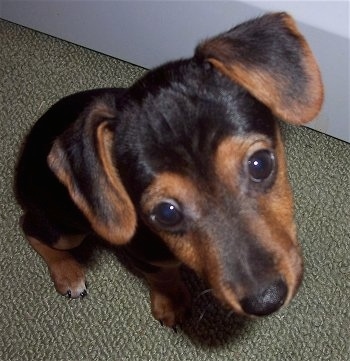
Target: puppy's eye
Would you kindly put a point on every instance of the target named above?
(260, 165)
(167, 214)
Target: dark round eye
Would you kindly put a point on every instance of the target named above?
(260, 165)
(167, 214)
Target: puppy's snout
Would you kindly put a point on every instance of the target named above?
(267, 300)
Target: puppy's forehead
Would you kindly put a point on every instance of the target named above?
(182, 131)
(186, 97)
(177, 116)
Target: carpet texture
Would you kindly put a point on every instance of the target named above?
(114, 321)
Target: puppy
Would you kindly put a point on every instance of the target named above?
(185, 166)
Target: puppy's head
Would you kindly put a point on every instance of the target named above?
(195, 152)
(206, 165)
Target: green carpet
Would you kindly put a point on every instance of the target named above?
(114, 321)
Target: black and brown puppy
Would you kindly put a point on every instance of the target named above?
(187, 166)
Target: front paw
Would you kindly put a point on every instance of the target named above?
(171, 307)
(69, 278)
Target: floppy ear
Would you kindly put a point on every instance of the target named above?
(81, 159)
(271, 59)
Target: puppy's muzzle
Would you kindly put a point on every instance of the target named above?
(252, 280)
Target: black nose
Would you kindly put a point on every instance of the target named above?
(267, 300)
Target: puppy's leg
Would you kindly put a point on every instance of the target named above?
(66, 272)
(170, 298)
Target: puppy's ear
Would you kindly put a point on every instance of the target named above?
(82, 160)
(271, 59)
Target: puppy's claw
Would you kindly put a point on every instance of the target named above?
(70, 295)
(174, 328)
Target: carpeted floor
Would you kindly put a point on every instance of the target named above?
(114, 321)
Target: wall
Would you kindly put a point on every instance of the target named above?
(148, 33)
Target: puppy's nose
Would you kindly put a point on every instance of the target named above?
(267, 300)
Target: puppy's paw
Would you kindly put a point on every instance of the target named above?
(171, 308)
(69, 278)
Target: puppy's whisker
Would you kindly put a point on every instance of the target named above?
(201, 315)
(203, 293)
(229, 314)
